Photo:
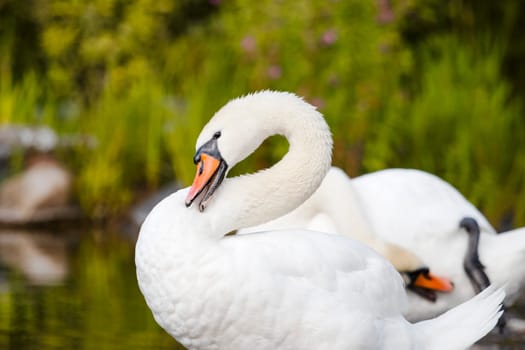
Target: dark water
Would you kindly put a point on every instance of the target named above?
(65, 289)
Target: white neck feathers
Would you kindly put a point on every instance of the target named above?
(253, 199)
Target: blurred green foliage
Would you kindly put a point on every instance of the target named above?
(414, 83)
(461, 124)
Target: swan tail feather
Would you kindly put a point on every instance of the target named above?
(466, 323)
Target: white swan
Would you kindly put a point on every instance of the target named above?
(281, 289)
(421, 212)
(335, 208)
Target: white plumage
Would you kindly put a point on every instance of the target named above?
(282, 289)
(336, 208)
(421, 212)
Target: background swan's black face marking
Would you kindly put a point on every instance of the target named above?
(472, 264)
(425, 293)
(217, 135)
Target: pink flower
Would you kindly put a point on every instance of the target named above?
(317, 102)
(248, 44)
(329, 37)
(274, 72)
(385, 15)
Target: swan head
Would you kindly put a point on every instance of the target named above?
(211, 170)
(425, 284)
(415, 273)
(237, 130)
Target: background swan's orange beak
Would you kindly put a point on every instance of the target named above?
(433, 282)
(206, 168)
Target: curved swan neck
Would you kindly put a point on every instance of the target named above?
(253, 199)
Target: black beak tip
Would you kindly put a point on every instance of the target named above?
(189, 202)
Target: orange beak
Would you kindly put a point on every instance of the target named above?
(433, 282)
(206, 168)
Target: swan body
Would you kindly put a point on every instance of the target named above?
(335, 208)
(421, 212)
(278, 289)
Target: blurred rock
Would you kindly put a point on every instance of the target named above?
(40, 139)
(40, 193)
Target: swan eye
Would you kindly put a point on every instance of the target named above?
(217, 135)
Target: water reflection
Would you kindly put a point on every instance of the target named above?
(67, 289)
(42, 258)
(82, 294)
